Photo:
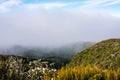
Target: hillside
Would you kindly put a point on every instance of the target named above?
(103, 57)
(60, 54)
(25, 68)
(105, 54)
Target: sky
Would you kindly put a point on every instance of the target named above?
(58, 22)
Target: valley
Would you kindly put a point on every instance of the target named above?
(99, 61)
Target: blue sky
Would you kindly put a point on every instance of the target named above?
(32, 1)
(110, 6)
(58, 22)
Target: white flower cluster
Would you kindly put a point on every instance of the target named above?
(39, 71)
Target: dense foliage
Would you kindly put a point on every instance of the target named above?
(99, 62)
(88, 73)
(105, 54)
(25, 68)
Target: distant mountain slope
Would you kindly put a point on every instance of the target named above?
(74, 47)
(105, 54)
(66, 51)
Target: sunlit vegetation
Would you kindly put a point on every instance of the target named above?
(88, 73)
(105, 54)
(21, 68)
(104, 60)
(99, 62)
(38, 70)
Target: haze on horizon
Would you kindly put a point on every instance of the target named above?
(51, 22)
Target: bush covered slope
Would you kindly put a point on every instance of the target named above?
(105, 54)
(26, 68)
(88, 73)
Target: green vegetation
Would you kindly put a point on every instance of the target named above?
(99, 62)
(88, 73)
(105, 54)
(25, 68)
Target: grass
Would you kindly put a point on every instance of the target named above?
(88, 73)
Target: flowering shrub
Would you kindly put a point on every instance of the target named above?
(14, 68)
(40, 70)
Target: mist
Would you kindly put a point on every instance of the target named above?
(57, 28)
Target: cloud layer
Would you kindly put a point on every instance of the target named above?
(57, 28)
(56, 23)
(7, 5)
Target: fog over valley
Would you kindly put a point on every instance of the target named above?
(44, 28)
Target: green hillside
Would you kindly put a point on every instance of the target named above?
(98, 62)
(105, 54)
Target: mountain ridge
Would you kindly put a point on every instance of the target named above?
(105, 54)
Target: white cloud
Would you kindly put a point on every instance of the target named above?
(43, 28)
(116, 14)
(56, 28)
(99, 3)
(6, 5)
(55, 5)
(46, 6)
(113, 2)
